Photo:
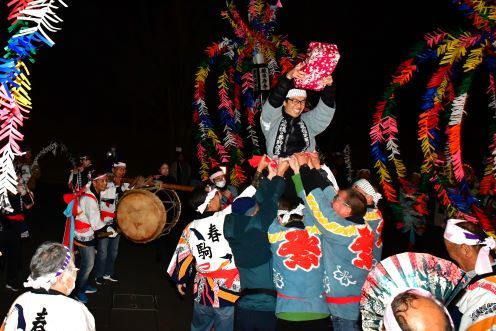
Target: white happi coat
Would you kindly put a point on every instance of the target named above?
(88, 219)
(108, 201)
(48, 312)
(478, 306)
(204, 241)
(209, 247)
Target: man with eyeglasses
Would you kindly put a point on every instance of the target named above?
(287, 129)
(347, 239)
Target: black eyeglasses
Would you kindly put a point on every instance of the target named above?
(338, 198)
(298, 102)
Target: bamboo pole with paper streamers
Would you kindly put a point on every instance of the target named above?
(223, 141)
(456, 57)
(32, 23)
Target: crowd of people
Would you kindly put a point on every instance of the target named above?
(293, 250)
(290, 251)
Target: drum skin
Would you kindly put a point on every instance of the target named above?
(141, 216)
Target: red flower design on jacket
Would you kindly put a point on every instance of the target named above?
(363, 246)
(301, 249)
(378, 243)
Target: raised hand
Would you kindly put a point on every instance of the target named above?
(272, 172)
(314, 159)
(264, 162)
(327, 81)
(296, 72)
(282, 166)
(302, 158)
(293, 163)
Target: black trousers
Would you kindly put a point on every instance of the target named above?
(254, 320)
(314, 325)
(10, 246)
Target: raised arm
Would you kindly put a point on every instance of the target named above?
(274, 190)
(319, 118)
(329, 223)
(271, 109)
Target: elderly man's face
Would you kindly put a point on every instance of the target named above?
(340, 204)
(464, 255)
(70, 277)
(294, 106)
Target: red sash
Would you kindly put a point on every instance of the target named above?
(78, 225)
(16, 218)
(228, 275)
(342, 300)
(104, 214)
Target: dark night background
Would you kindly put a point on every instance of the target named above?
(123, 73)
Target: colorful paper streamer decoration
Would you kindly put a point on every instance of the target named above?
(456, 58)
(32, 22)
(228, 135)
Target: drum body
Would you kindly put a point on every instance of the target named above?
(145, 214)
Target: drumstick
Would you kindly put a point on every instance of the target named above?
(177, 187)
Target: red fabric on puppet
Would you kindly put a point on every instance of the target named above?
(321, 61)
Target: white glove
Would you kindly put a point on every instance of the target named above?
(112, 231)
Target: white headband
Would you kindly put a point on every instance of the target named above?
(368, 189)
(459, 236)
(119, 164)
(46, 281)
(285, 214)
(296, 93)
(389, 321)
(201, 208)
(97, 177)
(216, 174)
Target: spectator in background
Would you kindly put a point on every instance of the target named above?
(180, 168)
(228, 192)
(46, 306)
(13, 227)
(164, 174)
(23, 165)
(80, 176)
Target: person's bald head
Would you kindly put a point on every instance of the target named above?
(415, 312)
